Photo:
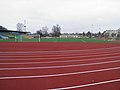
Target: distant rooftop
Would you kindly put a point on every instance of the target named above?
(14, 31)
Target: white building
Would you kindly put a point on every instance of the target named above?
(112, 33)
(68, 36)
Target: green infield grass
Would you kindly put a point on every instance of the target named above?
(56, 40)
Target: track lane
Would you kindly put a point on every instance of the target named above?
(56, 55)
(55, 69)
(65, 81)
(62, 58)
(62, 77)
(15, 47)
(60, 63)
(63, 51)
(108, 85)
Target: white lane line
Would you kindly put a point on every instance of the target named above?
(59, 61)
(59, 55)
(65, 66)
(86, 85)
(63, 74)
(62, 50)
(83, 56)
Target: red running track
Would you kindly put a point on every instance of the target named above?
(59, 66)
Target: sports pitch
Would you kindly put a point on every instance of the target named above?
(56, 40)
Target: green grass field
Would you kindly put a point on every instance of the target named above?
(57, 40)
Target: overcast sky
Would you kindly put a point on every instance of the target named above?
(71, 15)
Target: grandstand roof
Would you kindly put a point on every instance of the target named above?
(14, 31)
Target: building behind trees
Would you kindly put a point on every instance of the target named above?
(112, 34)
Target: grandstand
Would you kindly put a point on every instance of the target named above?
(3, 37)
(10, 34)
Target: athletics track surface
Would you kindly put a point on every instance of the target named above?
(59, 66)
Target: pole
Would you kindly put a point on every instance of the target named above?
(25, 25)
(39, 38)
(15, 38)
(21, 38)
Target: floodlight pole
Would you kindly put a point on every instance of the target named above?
(25, 25)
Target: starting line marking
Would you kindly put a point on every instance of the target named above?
(58, 75)
(66, 66)
(86, 85)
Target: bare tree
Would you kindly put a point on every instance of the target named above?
(89, 34)
(39, 32)
(45, 31)
(83, 33)
(118, 35)
(20, 27)
(99, 34)
(56, 30)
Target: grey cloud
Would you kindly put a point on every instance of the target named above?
(72, 15)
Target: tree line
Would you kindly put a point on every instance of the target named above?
(56, 31)
(87, 34)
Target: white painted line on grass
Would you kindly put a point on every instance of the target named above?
(63, 74)
(87, 85)
(83, 40)
(66, 66)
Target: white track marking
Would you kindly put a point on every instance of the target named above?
(57, 53)
(59, 57)
(65, 66)
(83, 41)
(59, 61)
(62, 50)
(59, 75)
(86, 85)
